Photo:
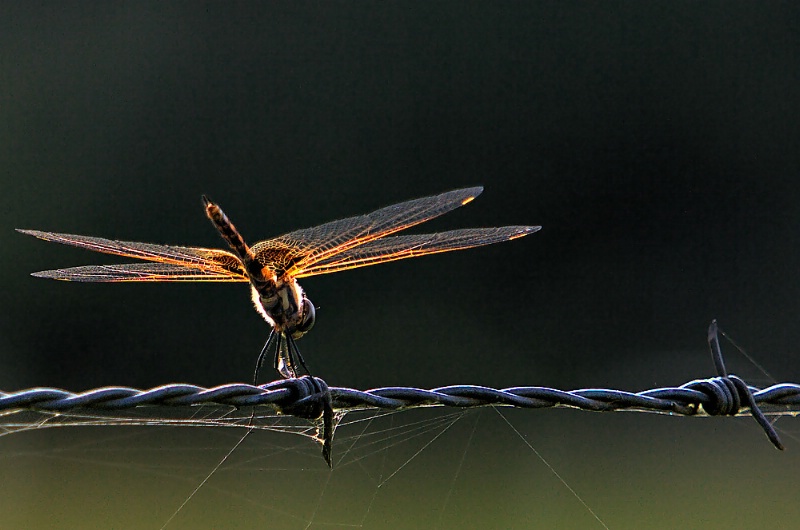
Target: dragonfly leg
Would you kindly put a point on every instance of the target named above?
(296, 356)
(286, 358)
(282, 360)
(263, 355)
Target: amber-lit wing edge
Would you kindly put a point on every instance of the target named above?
(402, 247)
(172, 263)
(320, 243)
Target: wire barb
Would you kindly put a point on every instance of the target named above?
(730, 391)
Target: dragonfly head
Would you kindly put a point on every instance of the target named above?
(308, 315)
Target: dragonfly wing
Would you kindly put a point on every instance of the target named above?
(298, 251)
(139, 272)
(205, 259)
(400, 247)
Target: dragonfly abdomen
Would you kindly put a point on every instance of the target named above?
(255, 271)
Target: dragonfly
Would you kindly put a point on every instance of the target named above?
(273, 266)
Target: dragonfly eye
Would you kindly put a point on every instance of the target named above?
(309, 314)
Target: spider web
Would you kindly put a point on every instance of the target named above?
(275, 475)
(236, 469)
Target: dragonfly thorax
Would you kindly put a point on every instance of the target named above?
(284, 305)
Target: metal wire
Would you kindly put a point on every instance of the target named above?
(699, 397)
(311, 398)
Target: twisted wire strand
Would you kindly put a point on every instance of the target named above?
(703, 397)
(311, 398)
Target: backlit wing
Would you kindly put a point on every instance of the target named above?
(138, 272)
(172, 263)
(298, 251)
(400, 247)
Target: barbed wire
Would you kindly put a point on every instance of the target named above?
(704, 397)
(311, 398)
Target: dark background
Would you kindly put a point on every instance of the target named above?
(657, 144)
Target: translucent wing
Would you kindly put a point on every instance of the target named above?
(138, 272)
(197, 264)
(298, 251)
(401, 247)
